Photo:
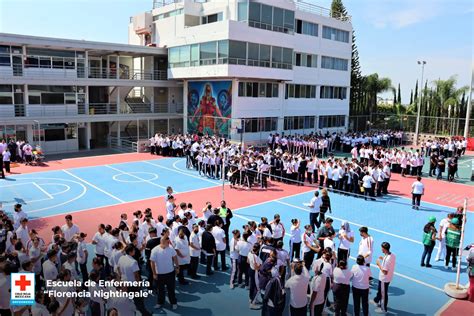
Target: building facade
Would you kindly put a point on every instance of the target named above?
(262, 66)
(235, 67)
(69, 95)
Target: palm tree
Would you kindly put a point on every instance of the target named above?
(374, 86)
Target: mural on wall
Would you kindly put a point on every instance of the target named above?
(209, 107)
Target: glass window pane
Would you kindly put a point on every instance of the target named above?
(262, 90)
(297, 91)
(242, 11)
(195, 52)
(253, 51)
(287, 55)
(275, 90)
(255, 89)
(238, 49)
(241, 89)
(298, 59)
(308, 60)
(278, 16)
(276, 54)
(223, 49)
(292, 91)
(254, 12)
(208, 53)
(289, 20)
(269, 90)
(264, 56)
(303, 91)
(266, 14)
(308, 92)
(173, 53)
(248, 89)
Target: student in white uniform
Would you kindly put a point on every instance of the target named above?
(318, 287)
(346, 238)
(417, 190)
(386, 265)
(298, 286)
(360, 285)
(443, 226)
(341, 287)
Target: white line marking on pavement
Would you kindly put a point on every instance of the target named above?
(136, 177)
(94, 186)
(43, 190)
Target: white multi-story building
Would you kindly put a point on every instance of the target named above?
(69, 95)
(232, 66)
(271, 65)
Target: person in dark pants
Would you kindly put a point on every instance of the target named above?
(208, 245)
(6, 159)
(417, 190)
(1, 169)
(360, 286)
(314, 208)
(429, 241)
(150, 244)
(341, 288)
(226, 215)
(386, 265)
(325, 206)
(164, 266)
(195, 251)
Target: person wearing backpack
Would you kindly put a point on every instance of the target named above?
(429, 241)
(274, 297)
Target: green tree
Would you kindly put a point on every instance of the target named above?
(373, 86)
(415, 97)
(411, 97)
(338, 11)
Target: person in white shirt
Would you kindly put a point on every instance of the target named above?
(243, 247)
(298, 286)
(346, 238)
(341, 287)
(417, 190)
(170, 207)
(360, 285)
(234, 257)
(99, 241)
(18, 215)
(22, 232)
(278, 230)
(164, 266)
(314, 206)
(318, 288)
(219, 236)
(366, 245)
(254, 263)
(69, 229)
(70, 265)
(443, 226)
(50, 271)
(295, 239)
(181, 245)
(39, 308)
(386, 264)
(194, 251)
(310, 246)
(367, 182)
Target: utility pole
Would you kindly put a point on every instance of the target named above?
(469, 107)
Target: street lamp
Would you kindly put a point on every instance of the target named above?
(417, 129)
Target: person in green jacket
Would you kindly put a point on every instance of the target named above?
(429, 241)
(453, 239)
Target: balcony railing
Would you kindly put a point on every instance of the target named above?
(315, 9)
(6, 71)
(56, 110)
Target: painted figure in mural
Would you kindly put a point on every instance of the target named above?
(206, 112)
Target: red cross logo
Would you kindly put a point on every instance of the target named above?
(22, 283)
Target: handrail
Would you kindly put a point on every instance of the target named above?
(315, 9)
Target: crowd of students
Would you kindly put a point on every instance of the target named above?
(161, 249)
(14, 151)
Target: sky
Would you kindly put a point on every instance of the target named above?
(392, 35)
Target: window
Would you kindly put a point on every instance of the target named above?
(212, 18)
(238, 52)
(223, 51)
(269, 18)
(207, 53)
(266, 18)
(278, 17)
(264, 56)
(258, 89)
(242, 11)
(305, 60)
(289, 23)
(254, 12)
(298, 122)
(195, 55)
(253, 54)
(167, 14)
(307, 28)
(330, 121)
(298, 91)
(329, 92)
(260, 124)
(71, 131)
(335, 34)
(334, 63)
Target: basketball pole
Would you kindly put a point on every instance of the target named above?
(223, 176)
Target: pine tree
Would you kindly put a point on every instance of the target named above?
(356, 101)
(399, 99)
(411, 97)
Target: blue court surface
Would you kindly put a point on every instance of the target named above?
(414, 290)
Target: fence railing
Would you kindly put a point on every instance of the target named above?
(315, 9)
(81, 73)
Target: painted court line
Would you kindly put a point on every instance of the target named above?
(181, 172)
(356, 224)
(136, 177)
(43, 190)
(93, 186)
(372, 265)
